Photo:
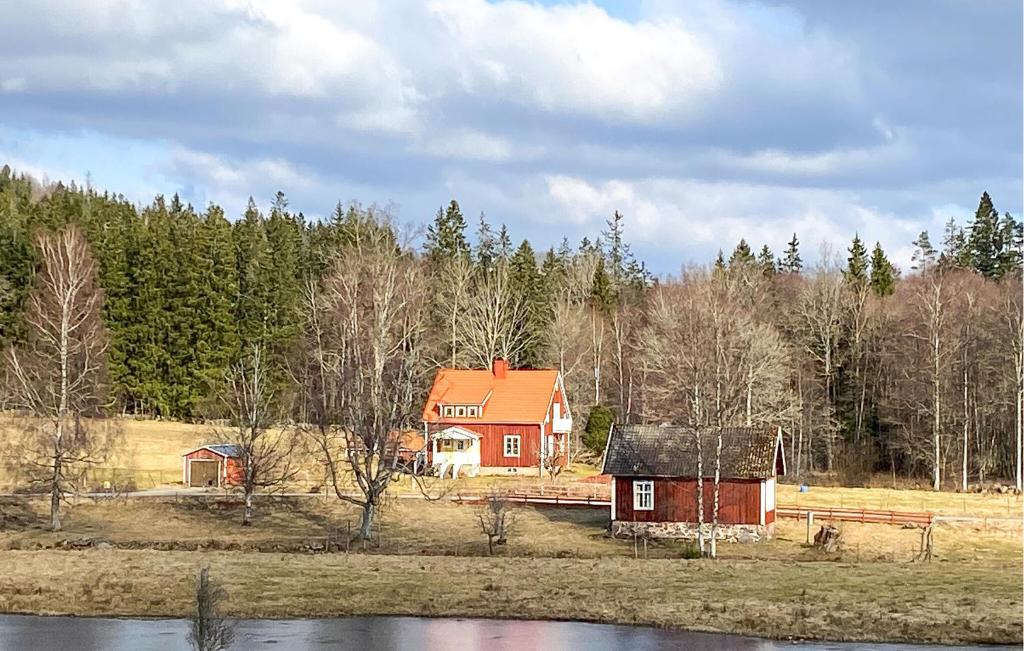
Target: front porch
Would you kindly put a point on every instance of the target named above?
(454, 450)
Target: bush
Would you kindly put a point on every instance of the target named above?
(595, 435)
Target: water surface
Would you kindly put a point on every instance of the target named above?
(29, 633)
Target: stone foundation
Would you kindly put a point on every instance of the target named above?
(737, 533)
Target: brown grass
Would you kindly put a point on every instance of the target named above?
(938, 602)
(946, 503)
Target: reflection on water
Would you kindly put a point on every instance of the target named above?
(387, 633)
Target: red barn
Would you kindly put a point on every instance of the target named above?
(212, 465)
(496, 421)
(654, 480)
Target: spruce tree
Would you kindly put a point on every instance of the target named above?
(766, 260)
(883, 273)
(527, 283)
(742, 255)
(1010, 239)
(792, 263)
(504, 243)
(486, 245)
(955, 254)
(856, 272)
(984, 240)
(923, 258)
(446, 237)
(719, 266)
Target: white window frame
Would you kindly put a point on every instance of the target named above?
(460, 411)
(472, 411)
(643, 495)
(448, 411)
(512, 445)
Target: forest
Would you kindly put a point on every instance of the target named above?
(913, 373)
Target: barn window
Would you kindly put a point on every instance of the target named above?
(643, 495)
(511, 445)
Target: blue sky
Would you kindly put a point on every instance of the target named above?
(702, 122)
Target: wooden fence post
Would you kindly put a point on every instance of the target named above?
(810, 525)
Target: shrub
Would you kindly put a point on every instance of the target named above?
(599, 421)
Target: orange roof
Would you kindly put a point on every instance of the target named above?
(522, 396)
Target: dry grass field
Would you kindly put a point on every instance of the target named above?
(432, 560)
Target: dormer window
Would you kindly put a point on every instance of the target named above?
(448, 411)
(460, 411)
(473, 411)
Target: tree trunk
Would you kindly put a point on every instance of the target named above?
(55, 493)
(247, 513)
(366, 521)
(967, 419)
(936, 421)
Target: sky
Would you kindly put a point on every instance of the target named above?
(701, 121)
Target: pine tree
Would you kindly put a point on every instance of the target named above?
(446, 237)
(883, 273)
(719, 266)
(742, 255)
(856, 272)
(766, 260)
(792, 263)
(984, 242)
(923, 258)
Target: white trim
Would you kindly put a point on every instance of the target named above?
(209, 449)
(455, 432)
(779, 445)
(607, 442)
(613, 498)
(506, 438)
(638, 491)
(761, 501)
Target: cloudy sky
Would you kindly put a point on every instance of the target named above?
(702, 122)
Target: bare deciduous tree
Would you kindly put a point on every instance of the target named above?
(497, 519)
(365, 341)
(494, 321)
(56, 375)
(267, 456)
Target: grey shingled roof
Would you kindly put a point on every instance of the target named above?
(226, 450)
(671, 451)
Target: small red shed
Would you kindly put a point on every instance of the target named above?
(212, 466)
(654, 480)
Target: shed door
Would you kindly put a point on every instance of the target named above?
(203, 472)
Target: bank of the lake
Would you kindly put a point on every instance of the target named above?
(938, 603)
(31, 633)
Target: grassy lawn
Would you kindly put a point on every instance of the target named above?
(432, 560)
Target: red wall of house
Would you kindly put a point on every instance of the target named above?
(675, 500)
(492, 443)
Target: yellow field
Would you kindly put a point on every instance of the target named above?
(946, 503)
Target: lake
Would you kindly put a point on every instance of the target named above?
(29, 633)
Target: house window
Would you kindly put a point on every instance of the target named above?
(460, 412)
(460, 445)
(471, 411)
(449, 410)
(511, 445)
(643, 495)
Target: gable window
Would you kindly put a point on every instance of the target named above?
(511, 445)
(460, 411)
(643, 495)
(449, 410)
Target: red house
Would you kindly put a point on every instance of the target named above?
(212, 466)
(654, 480)
(496, 421)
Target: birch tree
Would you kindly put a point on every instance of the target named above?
(366, 344)
(57, 373)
